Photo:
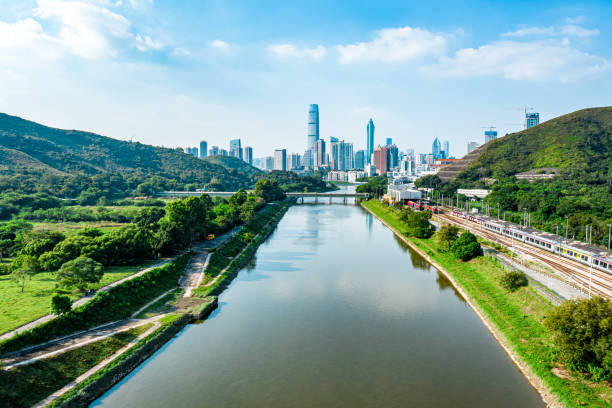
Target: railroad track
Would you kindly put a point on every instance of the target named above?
(600, 283)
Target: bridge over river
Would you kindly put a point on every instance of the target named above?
(344, 194)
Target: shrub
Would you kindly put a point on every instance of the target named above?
(583, 334)
(446, 236)
(80, 272)
(60, 304)
(466, 247)
(513, 280)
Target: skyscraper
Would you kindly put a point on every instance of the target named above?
(471, 146)
(269, 163)
(319, 153)
(294, 161)
(214, 151)
(446, 149)
(531, 119)
(313, 125)
(235, 148)
(392, 157)
(380, 159)
(490, 134)
(248, 155)
(369, 141)
(389, 142)
(203, 149)
(280, 159)
(359, 159)
(349, 159)
(436, 149)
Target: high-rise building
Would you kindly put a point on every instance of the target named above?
(295, 161)
(369, 141)
(349, 159)
(334, 154)
(389, 141)
(471, 146)
(248, 155)
(307, 158)
(490, 134)
(359, 159)
(280, 159)
(531, 119)
(235, 149)
(214, 151)
(313, 125)
(380, 159)
(203, 149)
(191, 150)
(319, 153)
(223, 152)
(269, 163)
(446, 149)
(436, 149)
(392, 157)
(420, 158)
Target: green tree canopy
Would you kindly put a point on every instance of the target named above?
(80, 272)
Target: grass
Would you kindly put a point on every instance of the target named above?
(71, 228)
(519, 316)
(163, 305)
(18, 308)
(26, 385)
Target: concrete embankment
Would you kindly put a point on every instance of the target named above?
(533, 379)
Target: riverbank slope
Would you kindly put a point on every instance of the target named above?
(514, 319)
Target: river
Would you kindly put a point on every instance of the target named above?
(334, 311)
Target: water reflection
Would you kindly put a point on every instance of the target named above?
(345, 321)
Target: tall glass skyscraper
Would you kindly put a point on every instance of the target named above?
(313, 125)
(203, 149)
(436, 149)
(369, 141)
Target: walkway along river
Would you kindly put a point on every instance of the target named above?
(334, 311)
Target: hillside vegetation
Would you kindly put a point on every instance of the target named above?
(64, 163)
(579, 145)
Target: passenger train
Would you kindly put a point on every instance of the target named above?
(548, 242)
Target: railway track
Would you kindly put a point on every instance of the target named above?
(599, 283)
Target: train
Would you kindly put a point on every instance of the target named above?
(577, 251)
(420, 206)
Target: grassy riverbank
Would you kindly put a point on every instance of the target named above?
(26, 385)
(516, 317)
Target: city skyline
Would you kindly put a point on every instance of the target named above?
(178, 83)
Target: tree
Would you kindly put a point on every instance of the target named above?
(466, 246)
(269, 190)
(60, 304)
(513, 280)
(447, 235)
(583, 334)
(417, 223)
(20, 277)
(429, 181)
(80, 272)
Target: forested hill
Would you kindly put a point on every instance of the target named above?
(576, 143)
(579, 146)
(34, 157)
(233, 163)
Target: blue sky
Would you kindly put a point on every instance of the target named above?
(172, 73)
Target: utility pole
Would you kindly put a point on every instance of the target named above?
(498, 211)
(566, 223)
(609, 228)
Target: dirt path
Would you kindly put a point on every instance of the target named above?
(61, 346)
(78, 302)
(96, 368)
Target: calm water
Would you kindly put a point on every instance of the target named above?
(334, 311)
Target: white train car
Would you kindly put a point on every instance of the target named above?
(577, 251)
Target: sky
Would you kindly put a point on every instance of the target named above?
(173, 73)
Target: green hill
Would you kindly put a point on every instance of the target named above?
(35, 157)
(234, 164)
(578, 145)
(576, 142)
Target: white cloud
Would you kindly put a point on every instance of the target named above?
(535, 61)
(575, 20)
(565, 30)
(290, 50)
(393, 45)
(89, 30)
(220, 44)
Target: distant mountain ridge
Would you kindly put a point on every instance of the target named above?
(29, 148)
